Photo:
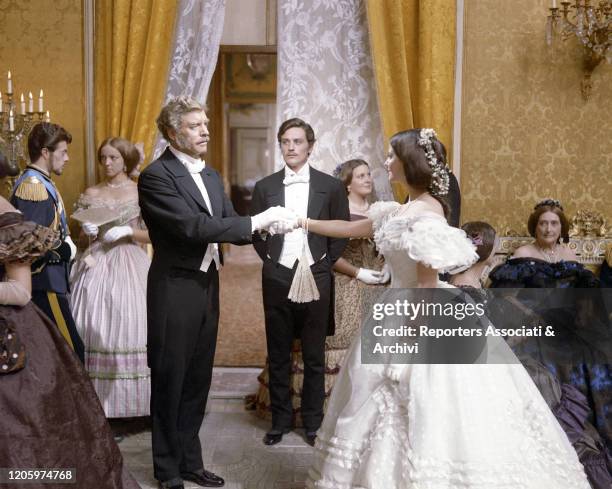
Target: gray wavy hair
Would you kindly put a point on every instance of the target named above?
(172, 113)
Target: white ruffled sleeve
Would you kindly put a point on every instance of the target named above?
(428, 240)
(380, 211)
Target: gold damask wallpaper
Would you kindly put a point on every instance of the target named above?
(526, 131)
(42, 45)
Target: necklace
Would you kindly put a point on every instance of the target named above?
(549, 256)
(118, 185)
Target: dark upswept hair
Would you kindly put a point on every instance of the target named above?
(127, 149)
(296, 122)
(345, 171)
(541, 208)
(414, 160)
(482, 234)
(46, 135)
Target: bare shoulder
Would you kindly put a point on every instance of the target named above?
(567, 253)
(525, 251)
(95, 191)
(428, 205)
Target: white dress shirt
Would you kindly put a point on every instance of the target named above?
(194, 167)
(296, 199)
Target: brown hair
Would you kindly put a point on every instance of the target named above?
(296, 122)
(534, 218)
(482, 234)
(127, 149)
(414, 160)
(345, 171)
(46, 135)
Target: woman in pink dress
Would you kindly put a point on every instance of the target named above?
(109, 286)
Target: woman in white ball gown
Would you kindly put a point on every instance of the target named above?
(432, 426)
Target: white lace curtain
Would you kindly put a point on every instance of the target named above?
(199, 25)
(325, 77)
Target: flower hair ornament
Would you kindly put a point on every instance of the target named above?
(439, 170)
(337, 170)
(476, 239)
(549, 203)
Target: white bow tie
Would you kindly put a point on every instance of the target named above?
(194, 167)
(291, 179)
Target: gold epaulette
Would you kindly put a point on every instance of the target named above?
(32, 189)
(609, 254)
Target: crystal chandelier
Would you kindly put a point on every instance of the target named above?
(591, 23)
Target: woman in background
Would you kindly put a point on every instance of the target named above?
(575, 356)
(357, 279)
(109, 286)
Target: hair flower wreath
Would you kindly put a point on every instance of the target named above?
(337, 170)
(476, 239)
(439, 175)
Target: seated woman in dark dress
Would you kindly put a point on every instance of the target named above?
(50, 414)
(576, 355)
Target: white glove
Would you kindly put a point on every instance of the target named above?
(283, 226)
(265, 219)
(90, 229)
(367, 276)
(385, 274)
(73, 248)
(117, 232)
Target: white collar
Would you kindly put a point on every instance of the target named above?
(187, 160)
(303, 172)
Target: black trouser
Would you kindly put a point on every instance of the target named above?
(183, 316)
(286, 320)
(57, 308)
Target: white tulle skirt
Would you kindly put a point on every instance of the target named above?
(440, 427)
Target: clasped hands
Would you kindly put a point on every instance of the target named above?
(275, 220)
(113, 234)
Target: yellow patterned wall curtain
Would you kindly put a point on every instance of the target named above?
(132, 50)
(413, 49)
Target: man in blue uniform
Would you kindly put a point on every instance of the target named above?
(36, 196)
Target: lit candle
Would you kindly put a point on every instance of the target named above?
(40, 102)
(22, 100)
(11, 121)
(0, 101)
(48, 117)
(554, 4)
(9, 84)
(30, 102)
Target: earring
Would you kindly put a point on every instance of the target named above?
(124, 169)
